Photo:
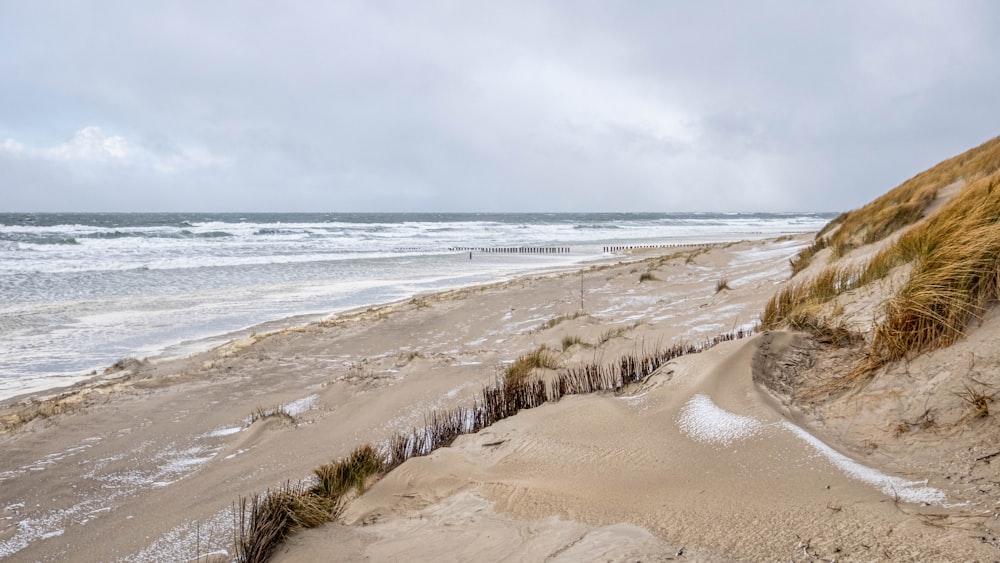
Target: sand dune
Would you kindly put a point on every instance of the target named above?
(696, 457)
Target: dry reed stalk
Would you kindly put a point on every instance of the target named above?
(262, 522)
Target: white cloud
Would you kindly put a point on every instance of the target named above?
(92, 145)
(12, 147)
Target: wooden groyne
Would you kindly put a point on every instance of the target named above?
(609, 249)
(513, 249)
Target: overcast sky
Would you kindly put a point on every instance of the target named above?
(486, 106)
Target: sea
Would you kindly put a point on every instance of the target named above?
(79, 291)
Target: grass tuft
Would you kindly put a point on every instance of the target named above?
(263, 521)
(722, 285)
(802, 260)
(570, 341)
(337, 478)
(555, 321)
(647, 276)
(522, 368)
(261, 413)
(977, 399)
(613, 333)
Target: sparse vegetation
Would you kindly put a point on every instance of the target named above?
(407, 356)
(689, 259)
(647, 276)
(261, 413)
(262, 522)
(555, 321)
(521, 368)
(802, 260)
(978, 399)
(722, 285)
(825, 330)
(570, 341)
(123, 364)
(615, 332)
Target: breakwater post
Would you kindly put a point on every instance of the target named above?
(513, 249)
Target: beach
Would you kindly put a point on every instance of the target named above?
(697, 462)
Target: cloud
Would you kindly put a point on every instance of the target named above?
(443, 106)
(91, 145)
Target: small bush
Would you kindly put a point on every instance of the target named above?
(647, 276)
(722, 285)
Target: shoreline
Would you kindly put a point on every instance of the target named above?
(136, 286)
(190, 347)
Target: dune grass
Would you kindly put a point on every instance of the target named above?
(955, 259)
(901, 206)
(263, 521)
(539, 358)
(956, 276)
(802, 260)
(807, 297)
(555, 321)
(977, 399)
(615, 332)
(569, 341)
(262, 413)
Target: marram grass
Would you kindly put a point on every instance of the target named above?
(263, 521)
(901, 206)
(954, 256)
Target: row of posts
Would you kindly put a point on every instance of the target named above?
(557, 249)
(647, 246)
(515, 250)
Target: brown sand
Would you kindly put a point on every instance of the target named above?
(144, 465)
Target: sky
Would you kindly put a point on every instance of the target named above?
(474, 106)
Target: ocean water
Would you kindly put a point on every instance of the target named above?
(80, 291)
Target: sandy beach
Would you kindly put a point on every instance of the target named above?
(699, 462)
